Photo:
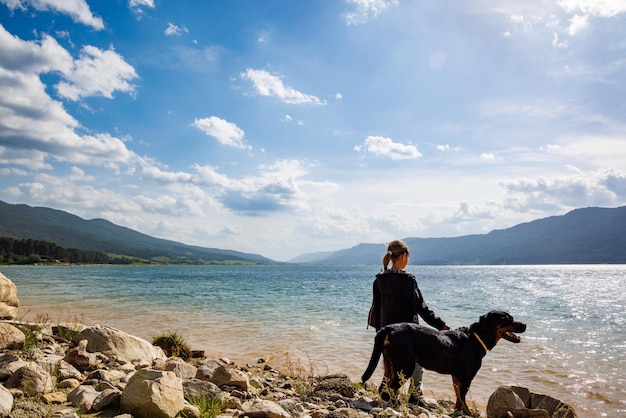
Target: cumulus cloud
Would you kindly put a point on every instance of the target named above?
(36, 126)
(97, 73)
(267, 84)
(275, 189)
(600, 188)
(226, 133)
(385, 147)
(364, 10)
(78, 10)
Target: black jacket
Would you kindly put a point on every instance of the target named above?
(398, 299)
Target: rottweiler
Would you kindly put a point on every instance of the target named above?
(456, 352)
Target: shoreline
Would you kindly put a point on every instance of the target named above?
(246, 387)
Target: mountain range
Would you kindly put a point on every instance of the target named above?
(582, 236)
(70, 231)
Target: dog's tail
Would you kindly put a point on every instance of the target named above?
(379, 342)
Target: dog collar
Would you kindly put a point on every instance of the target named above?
(480, 341)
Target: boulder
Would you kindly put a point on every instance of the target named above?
(519, 402)
(11, 338)
(215, 371)
(83, 397)
(262, 408)
(153, 394)
(502, 400)
(31, 379)
(6, 401)
(81, 359)
(9, 364)
(113, 342)
(181, 368)
(9, 303)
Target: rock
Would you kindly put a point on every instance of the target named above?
(9, 303)
(335, 384)
(153, 394)
(9, 364)
(107, 398)
(113, 342)
(83, 397)
(31, 379)
(197, 388)
(239, 379)
(527, 413)
(214, 371)
(54, 398)
(65, 413)
(502, 400)
(261, 408)
(519, 402)
(6, 402)
(11, 338)
(66, 371)
(80, 358)
(555, 407)
(181, 369)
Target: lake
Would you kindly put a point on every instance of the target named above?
(573, 349)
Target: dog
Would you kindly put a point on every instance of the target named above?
(456, 352)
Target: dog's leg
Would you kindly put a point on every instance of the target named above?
(460, 389)
(385, 389)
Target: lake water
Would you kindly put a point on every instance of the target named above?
(315, 317)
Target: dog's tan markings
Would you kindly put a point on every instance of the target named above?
(460, 405)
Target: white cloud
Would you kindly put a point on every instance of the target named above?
(267, 84)
(489, 156)
(35, 126)
(137, 3)
(600, 188)
(364, 10)
(78, 10)
(173, 29)
(97, 73)
(598, 8)
(577, 23)
(385, 147)
(225, 132)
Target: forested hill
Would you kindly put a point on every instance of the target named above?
(70, 231)
(582, 236)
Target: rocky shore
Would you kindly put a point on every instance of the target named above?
(74, 370)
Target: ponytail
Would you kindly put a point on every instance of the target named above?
(394, 250)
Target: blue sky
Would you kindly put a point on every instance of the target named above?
(287, 127)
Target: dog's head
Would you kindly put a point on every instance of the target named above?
(499, 324)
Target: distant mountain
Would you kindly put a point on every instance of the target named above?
(70, 231)
(582, 236)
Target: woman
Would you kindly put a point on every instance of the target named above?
(398, 299)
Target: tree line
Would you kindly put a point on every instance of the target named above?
(30, 251)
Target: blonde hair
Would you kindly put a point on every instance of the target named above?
(394, 250)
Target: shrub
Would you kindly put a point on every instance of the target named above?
(173, 345)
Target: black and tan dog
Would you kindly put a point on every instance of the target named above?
(456, 352)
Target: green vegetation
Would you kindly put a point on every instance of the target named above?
(173, 344)
(30, 335)
(209, 407)
(30, 251)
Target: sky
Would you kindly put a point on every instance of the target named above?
(283, 128)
